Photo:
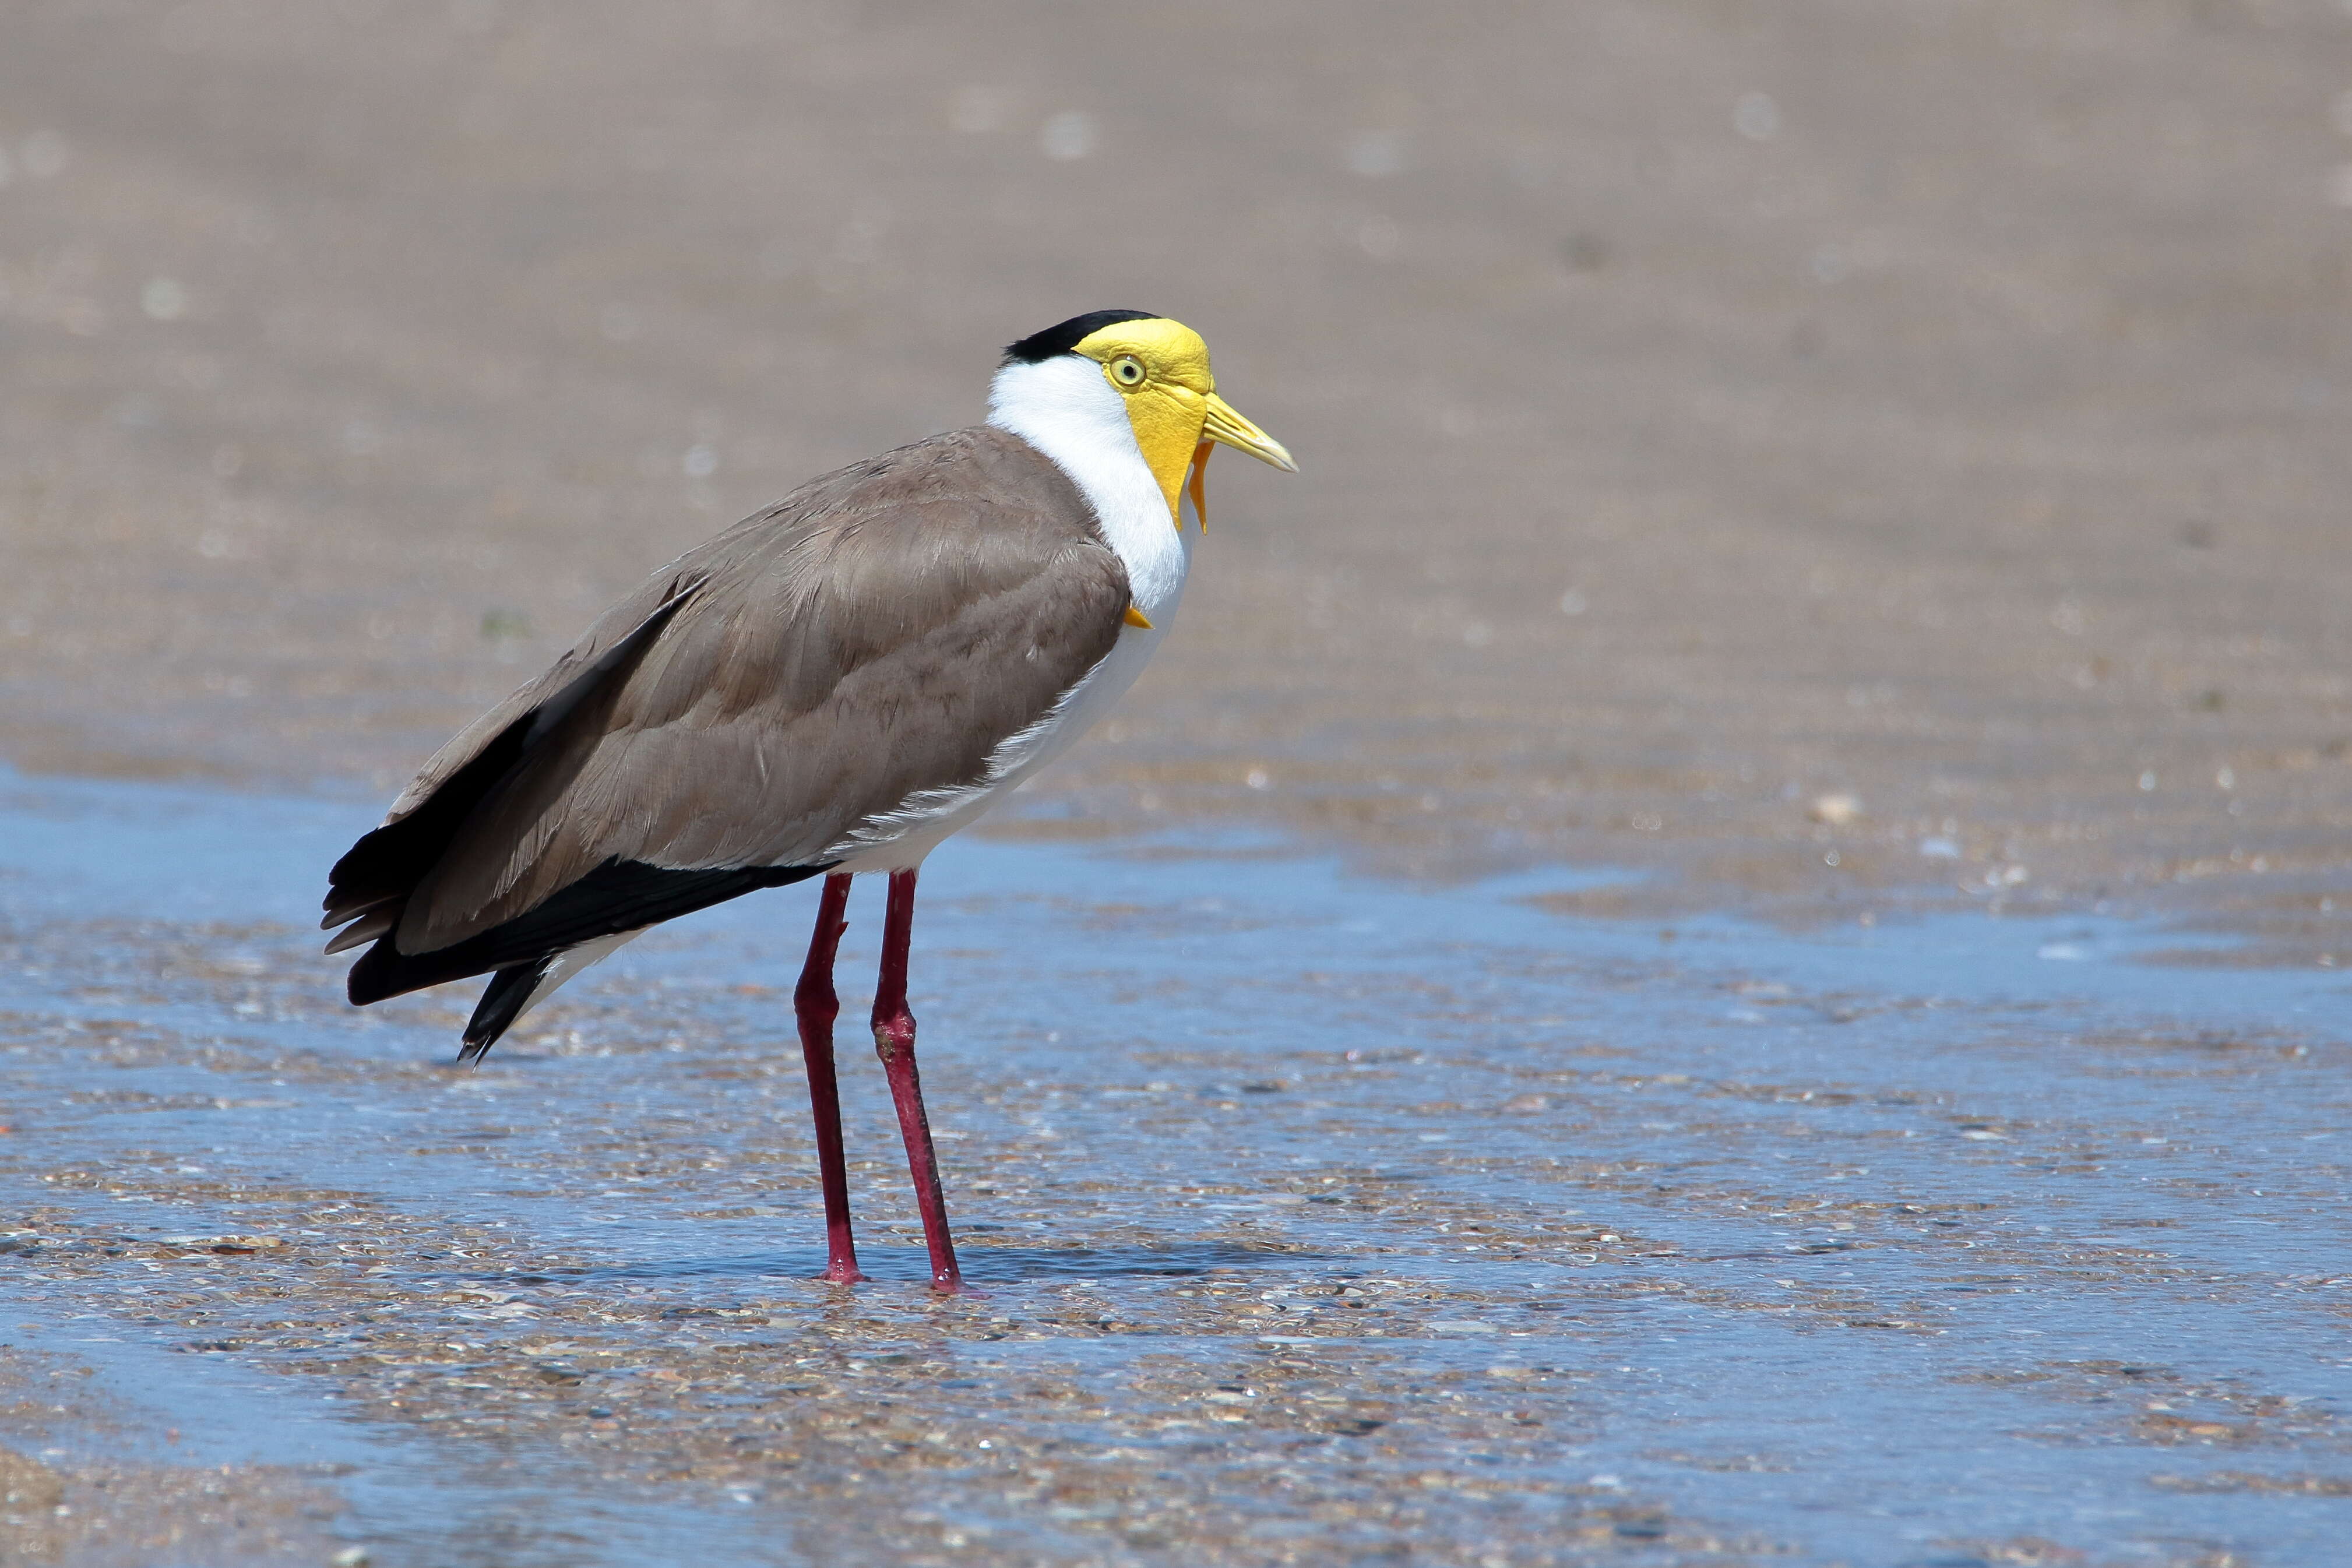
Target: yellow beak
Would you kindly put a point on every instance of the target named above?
(1225, 425)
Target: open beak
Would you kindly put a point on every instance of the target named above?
(1226, 426)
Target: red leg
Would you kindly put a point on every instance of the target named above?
(815, 1006)
(894, 1040)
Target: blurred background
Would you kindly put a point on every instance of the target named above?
(1834, 453)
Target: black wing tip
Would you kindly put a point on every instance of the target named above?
(503, 1000)
(618, 895)
(378, 974)
(1064, 336)
(387, 862)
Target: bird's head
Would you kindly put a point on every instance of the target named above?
(1146, 369)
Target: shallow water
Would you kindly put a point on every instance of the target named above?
(1319, 1219)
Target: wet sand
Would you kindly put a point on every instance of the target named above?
(1781, 486)
(95, 1478)
(1317, 1219)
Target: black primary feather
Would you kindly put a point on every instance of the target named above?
(617, 896)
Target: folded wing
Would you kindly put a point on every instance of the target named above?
(871, 638)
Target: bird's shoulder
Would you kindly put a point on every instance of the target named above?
(964, 540)
(980, 496)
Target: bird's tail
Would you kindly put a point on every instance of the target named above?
(502, 1002)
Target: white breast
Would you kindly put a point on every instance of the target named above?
(1066, 409)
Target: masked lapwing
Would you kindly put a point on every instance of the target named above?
(829, 687)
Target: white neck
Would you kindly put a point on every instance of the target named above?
(1067, 410)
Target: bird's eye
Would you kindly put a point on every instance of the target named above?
(1127, 371)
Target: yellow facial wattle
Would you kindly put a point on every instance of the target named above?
(1173, 403)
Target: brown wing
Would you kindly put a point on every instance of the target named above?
(874, 635)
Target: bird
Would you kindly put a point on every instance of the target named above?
(830, 688)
